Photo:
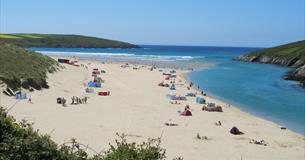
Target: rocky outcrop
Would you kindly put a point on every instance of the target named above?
(289, 55)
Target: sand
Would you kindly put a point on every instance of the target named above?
(139, 108)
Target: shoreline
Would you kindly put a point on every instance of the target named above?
(138, 107)
(184, 76)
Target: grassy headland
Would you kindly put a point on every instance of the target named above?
(61, 41)
(23, 68)
(290, 55)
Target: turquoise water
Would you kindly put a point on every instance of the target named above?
(256, 88)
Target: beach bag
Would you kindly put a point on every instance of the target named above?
(236, 131)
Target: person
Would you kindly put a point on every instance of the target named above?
(187, 107)
(63, 102)
(72, 98)
(108, 93)
(30, 100)
(218, 123)
(79, 100)
(260, 142)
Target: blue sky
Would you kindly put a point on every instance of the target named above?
(259, 23)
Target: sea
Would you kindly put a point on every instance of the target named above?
(254, 88)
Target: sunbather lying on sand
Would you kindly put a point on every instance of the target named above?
(171, 124)
(218, 123)
(202, 137)
(176, 102)
(259, 142)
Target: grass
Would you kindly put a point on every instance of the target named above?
(287, 51)
(30, 36)
(9, 36)
(61, 41)
(22, 68)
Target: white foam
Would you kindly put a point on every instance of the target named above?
(122, 55)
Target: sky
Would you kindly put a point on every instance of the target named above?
(244, 23)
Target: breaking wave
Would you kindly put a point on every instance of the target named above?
(123, 55)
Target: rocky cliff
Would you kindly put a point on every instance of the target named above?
(289, 55)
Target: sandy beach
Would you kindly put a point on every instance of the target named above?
(138, 107)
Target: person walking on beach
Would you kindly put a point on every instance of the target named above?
(30, 100)
(85, 99)
(63, 102)
(72, 100)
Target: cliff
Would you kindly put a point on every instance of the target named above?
(289, 55)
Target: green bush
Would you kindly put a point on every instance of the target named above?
(131, 151)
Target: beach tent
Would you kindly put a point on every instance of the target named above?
(211, 107)
(200, 100)
(163, 84)
(172, 76)
(89, 90)
(170, 96)
(210, 104)
(21, 95)
(103, 93)
(96, 72)
(174, 97)
(60, 60)
(94, 84)
(191, 94)
(172, 87)
(172, 71)
(180, 98)
(186, 113)
(167, 74)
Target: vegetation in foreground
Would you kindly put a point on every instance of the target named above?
(61, 41)
(20, 68)
(19, 141)
(290, 55)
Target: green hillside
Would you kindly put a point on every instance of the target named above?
(290, 55)
(22, 68)
(61, 41)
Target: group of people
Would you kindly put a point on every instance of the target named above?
(77, 100)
